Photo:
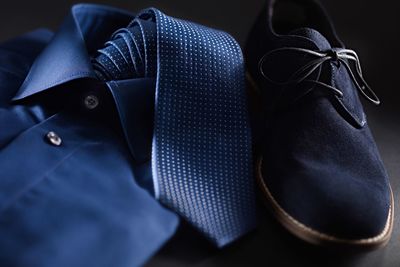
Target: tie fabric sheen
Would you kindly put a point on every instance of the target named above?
(201, 152)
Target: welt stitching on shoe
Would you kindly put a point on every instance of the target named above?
(314, 232)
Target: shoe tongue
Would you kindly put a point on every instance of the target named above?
(349, 105)
(317, 38)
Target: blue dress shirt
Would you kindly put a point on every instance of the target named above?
(81, 165)
(88, 201)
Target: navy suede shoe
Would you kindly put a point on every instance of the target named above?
(319, 168)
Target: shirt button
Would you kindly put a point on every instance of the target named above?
(53, 138)
(91, 101)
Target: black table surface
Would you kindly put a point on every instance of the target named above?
(367, 26)
(272, 245)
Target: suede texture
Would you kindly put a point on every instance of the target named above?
(320, 161)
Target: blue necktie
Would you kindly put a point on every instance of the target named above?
(201, 154)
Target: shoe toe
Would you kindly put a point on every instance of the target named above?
(340, 206)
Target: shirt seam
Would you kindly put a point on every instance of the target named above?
(45, 176)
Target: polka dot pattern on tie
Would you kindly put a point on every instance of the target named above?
(201, 155)
(202, 141)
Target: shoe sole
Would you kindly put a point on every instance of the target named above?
(314, 236)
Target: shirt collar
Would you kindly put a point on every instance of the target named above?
(66, 57)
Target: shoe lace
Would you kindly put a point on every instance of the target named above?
(339, 55)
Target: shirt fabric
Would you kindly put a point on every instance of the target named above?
(89, 201)
(80, 166)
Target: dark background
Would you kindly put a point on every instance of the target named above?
(369, 27)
